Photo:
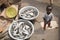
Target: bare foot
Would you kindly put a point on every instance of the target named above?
(44, 29)
(50, 26)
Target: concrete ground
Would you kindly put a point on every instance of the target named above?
(39, 34)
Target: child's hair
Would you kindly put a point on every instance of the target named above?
(49, 8)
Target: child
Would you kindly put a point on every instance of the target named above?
(48, 16)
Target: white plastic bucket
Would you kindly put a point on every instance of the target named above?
(10, 30)
(35, 10)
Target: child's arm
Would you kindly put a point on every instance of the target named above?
(51, 17)
(44, 17)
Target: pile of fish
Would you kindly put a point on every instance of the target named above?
(29, 12)
(20, 30)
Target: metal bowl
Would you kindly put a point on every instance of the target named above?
(29, 12)
(18, 29)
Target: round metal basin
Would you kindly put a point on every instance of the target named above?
(29, 12)
(21, 29)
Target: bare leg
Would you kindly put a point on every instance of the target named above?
(44, 25)
(49, 25)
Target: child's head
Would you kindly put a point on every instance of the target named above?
(49, 9)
